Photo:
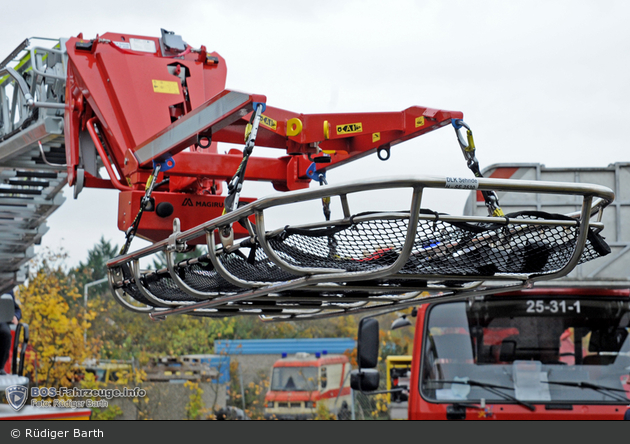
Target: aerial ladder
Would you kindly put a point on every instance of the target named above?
(152, 112)
(32, 151)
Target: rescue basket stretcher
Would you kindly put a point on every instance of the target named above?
(367, 261)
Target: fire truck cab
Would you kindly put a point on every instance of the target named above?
(303, 382)
(559, 350)
(548, 353)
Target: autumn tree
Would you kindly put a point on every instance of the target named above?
(56, 324)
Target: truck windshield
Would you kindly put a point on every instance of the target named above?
(539, 349)
(294, 379)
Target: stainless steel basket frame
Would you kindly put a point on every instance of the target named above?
(322, 281)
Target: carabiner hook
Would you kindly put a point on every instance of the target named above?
(467, 144)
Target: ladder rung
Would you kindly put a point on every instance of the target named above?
(36, 174)
(29, 183)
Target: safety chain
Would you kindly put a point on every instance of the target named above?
(320, 176)
(468, 148)
(236, 184)
(325, 200)
(144, 203)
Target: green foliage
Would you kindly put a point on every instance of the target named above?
(323, 414)
(111, 412)
(249, 327)
(95, 267)
(250, 397)
(195, 408)
(125, 334)
(56, 322)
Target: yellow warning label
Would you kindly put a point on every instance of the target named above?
(376, 137)
(269, 122)
(350, 128)
(165, 87)
(419, 121)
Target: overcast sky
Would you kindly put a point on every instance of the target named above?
(538, 81)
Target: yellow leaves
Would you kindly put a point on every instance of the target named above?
(89, 381)
(381, 405)
(56, 323)
(110, 413)
(323, 414)
(195, 408)
(135, 376)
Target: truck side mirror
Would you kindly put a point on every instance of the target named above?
(367, 343)
(366, 378)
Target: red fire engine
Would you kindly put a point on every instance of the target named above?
(559, 350)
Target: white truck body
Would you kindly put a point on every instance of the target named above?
(611, 270)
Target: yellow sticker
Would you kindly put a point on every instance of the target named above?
(350, 128)
(165, 87)
(376, 137)
(269, 122)
(419, 121)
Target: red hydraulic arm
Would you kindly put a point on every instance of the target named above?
(138, 101)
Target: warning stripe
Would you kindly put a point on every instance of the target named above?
(499, 173)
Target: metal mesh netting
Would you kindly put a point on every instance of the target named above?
(364, 246)
(254, 268)
(512, 249)
(198, 276)
(131, 288)
(439, 248)
(202, 276)
(458, 249)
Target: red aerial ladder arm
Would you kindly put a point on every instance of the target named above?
(350, 136)
(137, 102)
(342, 137)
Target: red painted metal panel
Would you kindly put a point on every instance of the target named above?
(141, 106)
(192, 210)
